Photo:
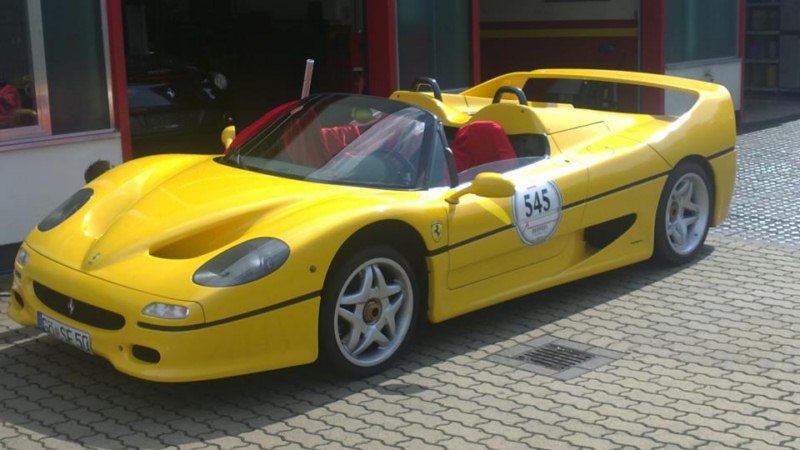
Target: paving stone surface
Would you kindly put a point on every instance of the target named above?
(709, 359)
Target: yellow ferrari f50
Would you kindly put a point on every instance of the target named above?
(333, 224)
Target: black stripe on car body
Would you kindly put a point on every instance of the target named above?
(256, 312)
(447, 248)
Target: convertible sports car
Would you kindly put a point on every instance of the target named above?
(333, 224)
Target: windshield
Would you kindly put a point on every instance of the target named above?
(345, 139)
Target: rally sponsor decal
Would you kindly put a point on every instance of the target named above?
(537, 211)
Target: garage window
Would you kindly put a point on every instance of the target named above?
(23, 83)
(53, 69)
(434, 40)
(701, 30)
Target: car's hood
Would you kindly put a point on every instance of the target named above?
(152, 212)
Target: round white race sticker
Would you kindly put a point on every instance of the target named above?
(537, 211)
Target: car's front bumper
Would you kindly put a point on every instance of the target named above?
(188, 350)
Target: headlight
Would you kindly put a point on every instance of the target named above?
(66, 209)
(22, 257)
(243, 263)
(166, 311)
(220, 81)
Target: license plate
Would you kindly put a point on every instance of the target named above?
(64, 333)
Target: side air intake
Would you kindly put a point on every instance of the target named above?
(601, 235)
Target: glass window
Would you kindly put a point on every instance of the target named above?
(53, 71)
(20, 111)
(76, 69)
(343, 139)
(440, 168)
(698, 30)
(434, 39)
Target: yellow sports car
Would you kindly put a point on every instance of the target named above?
(333, 224)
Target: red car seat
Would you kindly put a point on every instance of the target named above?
(336, 138)
(479, 143)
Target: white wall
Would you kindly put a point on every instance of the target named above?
(727, 73)
(35, 180)
(536, 10)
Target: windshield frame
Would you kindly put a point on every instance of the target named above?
(272, 131)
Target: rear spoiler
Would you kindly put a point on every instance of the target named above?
(707, 128)
(518, 79)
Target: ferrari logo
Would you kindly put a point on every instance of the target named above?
(71, 306)
(436, 231)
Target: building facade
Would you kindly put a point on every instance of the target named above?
(63, 104)
(63, 89)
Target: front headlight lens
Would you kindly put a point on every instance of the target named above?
(22, 257)
(220, 81)
(243, 263)
(166, 311)
(66, 209)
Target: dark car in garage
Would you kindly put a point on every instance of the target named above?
(168, 96)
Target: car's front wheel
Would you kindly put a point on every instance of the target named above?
(368, 312)
(684, 214)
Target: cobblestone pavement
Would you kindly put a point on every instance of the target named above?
(710, 359)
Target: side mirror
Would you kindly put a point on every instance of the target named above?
(228, 135)
(486, 184)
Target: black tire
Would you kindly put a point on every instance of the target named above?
(683, 217)
(354, 318)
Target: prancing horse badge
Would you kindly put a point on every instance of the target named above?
(436, 231)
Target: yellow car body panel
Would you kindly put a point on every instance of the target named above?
(151, 223)
(170, 229)
(284, 337)
(477, 260)
(705, 131)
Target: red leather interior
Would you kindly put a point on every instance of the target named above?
(336, 138)
(479, 143)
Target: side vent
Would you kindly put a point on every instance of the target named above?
(601, 235)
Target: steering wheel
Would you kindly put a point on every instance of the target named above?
(397, 167)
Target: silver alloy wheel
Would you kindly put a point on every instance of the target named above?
(374, 311)
(687, 214)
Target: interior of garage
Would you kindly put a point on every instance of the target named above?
(260, 46)
(536, 34)
(772, 60)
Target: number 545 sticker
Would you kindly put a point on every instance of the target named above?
(537, 211)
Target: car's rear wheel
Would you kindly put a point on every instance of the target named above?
(684, 214)
(368, 312)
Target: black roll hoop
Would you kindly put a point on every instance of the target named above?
(523, 100)
(430, 82)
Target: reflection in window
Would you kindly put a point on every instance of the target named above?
(434, 40)
(53, 71)
(17, 100)
(76, 69)
(698, 30)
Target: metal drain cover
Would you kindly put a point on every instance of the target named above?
(554, 356)
(558, 358)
